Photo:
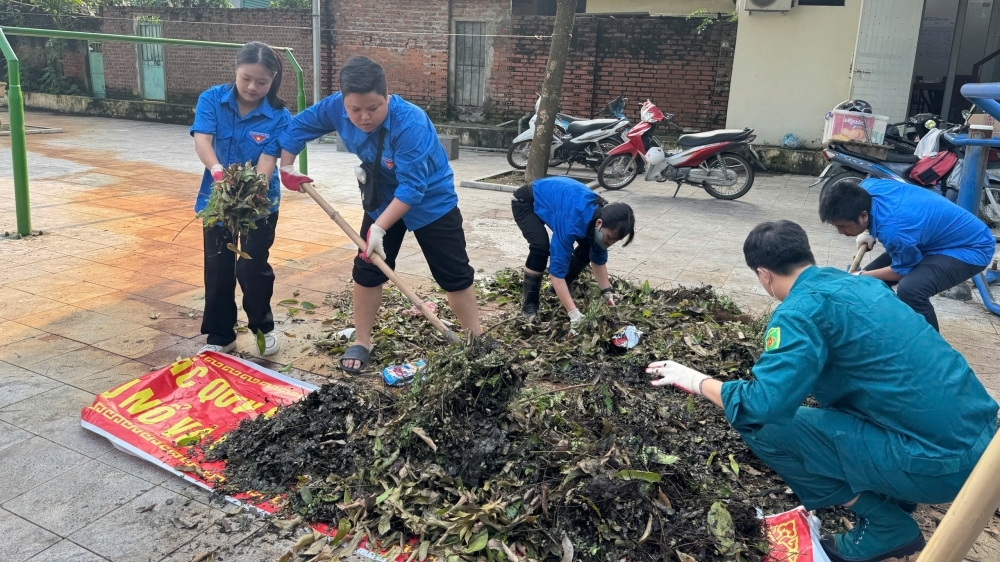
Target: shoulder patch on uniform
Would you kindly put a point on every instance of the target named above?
(773, 339)
(259, 137)
(388, 162)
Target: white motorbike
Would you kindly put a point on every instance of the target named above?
(583, 141)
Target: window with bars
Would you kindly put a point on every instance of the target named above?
(470, 63)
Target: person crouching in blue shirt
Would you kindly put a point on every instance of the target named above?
(234, 124)
(931, 244)
(406, 183)
(577, 216)
(901, 420)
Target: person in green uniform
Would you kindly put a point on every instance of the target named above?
(902, 418)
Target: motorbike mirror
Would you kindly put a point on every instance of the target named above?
(965, 114)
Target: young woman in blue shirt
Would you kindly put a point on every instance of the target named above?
(234, 124)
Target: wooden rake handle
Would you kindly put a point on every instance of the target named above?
(857, 259)
(380, 263)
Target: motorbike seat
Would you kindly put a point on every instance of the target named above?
(569, 118)
(710, 137)
(892, 156)
(580, 127)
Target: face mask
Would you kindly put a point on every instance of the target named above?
(599, 239)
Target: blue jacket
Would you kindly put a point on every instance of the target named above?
(238, 140)
(912, 222)
(856, 348)
(414, 166)
(566, 206)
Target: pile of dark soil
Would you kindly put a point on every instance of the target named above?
(528, 444)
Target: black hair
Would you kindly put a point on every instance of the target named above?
(256, 52)
(617, 217)
(843, 201)
(778, 246)
(362, 75)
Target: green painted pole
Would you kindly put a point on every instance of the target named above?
(18, 143)
(301, 102)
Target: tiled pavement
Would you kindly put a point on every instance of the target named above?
(113, 289)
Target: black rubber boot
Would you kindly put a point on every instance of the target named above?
(529, 300)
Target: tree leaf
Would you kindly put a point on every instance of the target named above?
(307, 495)
(286, 368)
(734, 465)
(287, 302)
(308, 305)
(295, 293)
(261, 342)
(654, 454)
(479, 542)
(639, 475)
(292, 311)
(244, 255)
(720, 524)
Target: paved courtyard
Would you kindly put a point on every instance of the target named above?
(113, 289)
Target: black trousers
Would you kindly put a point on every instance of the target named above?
(931, 276)
(442, 243)
(223, 269)
(533, 230)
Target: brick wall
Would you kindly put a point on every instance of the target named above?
(659, 58)
(415, 62)
(191, 70)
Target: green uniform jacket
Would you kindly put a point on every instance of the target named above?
(856, 348)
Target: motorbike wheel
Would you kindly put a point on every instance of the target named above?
(743, 169)
(617, 171)
(989, 210)
(854, 178)
(517, 154)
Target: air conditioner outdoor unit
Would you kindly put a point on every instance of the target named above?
(767, 5)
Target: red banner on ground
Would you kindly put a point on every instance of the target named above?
(159, 416)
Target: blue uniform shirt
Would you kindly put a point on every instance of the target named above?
(856, 348)
(912, 222)
(414, 167)
(566, 206)
(238, 140)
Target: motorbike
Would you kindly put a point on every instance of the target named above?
(718, 161)
(575, 140)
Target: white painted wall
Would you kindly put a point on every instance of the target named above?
(666, 7)
(790, 69)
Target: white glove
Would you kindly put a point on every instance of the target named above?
(575, 316)
(374, 242)
(865, 239)
(609, 296)
(217, 172)
(678, 375)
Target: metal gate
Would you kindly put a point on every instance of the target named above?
(151, 61)
(470, 63)
(96, 59)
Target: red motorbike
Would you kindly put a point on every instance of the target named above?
(718, 161)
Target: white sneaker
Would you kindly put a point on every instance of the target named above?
(271, 345)
(218, 348)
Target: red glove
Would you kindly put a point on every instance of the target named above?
(217, 172)
(292, 179)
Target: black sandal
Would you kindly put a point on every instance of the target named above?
(356, 353)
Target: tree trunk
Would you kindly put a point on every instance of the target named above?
(562, 31)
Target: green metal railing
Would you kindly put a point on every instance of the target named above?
(15, 99)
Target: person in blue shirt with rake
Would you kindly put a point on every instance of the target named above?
(234, 124)
(931, 244)
(406, 184)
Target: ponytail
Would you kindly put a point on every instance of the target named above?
(258, 53)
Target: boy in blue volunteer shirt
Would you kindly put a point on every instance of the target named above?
(234, 124)
(898, 423)
(407, 184)
(577, 216)
(931, 244)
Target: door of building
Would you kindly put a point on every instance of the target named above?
(96, 61)
(151, 61)
(883, 57)
(470, 63)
